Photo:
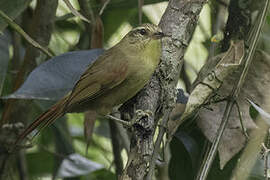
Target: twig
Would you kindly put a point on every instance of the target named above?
(22, 166)
(22, 33)
(211, 155)
(161, 133)
(265, 158)
(234, 94)
(64, 17)
(75, 12)
(220, 23)
(116, 146)
(124, 136)
(244, 130)
(140, 5)
(103, 7)
(87, 10)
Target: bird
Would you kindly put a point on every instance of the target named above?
(116, 76)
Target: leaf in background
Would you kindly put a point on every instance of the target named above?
(258, 170)
(256, 87)
(102, 174)
(228, 64)
(12, 8)
(185, 156)
(233, 139)
(4, 57)
(76, 165)
(44, 158)
(190, 145)
(265, 115)
(56, 77)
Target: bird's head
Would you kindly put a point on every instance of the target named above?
(144, 35)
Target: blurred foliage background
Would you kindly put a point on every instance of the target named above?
(59, 151)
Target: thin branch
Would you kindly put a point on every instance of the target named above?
(104, 7)
(244, 130)
(140, 5)
(252, 48)
(116, 146)
(75, 12)
(22, 33)
(234, 94)
(124, 136)
(212, 153)
(265, 158)
(87, 10)
(220, 23)
(161, 133)
(22, 166)
(64, 17)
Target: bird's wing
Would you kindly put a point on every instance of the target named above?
(106, 73)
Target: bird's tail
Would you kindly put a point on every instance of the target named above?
(45, 119)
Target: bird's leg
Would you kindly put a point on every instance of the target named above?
(138, 115)
(126, 123)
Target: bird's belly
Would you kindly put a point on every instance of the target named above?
(119, 95)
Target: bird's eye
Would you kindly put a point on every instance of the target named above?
(142, 31)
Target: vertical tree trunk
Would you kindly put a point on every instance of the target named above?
(178, 22)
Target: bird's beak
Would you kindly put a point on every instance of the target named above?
(159, 35)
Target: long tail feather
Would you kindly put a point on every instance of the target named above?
(45, 119)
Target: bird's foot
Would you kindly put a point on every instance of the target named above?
(126, 123)
(139, 114)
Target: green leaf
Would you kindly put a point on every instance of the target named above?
(185, 156)
(39, 163)
(103, 174)
(265, 115)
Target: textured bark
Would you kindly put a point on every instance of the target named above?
(179, 22)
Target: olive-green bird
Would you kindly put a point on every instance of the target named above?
(115, 77)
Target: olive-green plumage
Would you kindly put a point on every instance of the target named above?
(112, 79)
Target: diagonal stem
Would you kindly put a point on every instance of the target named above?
(202, 175)
(213, 151)
(24, 34)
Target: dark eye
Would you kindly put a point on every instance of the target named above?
(142, 31)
